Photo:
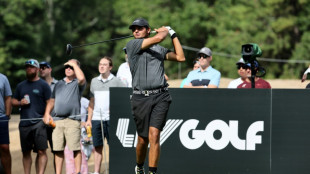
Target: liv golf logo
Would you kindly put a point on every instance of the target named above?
(194, 139)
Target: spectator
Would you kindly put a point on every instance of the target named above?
(195, 66)
(123, 72)
(242, 68)
(69, 156)
(99, 107)
(5, 114)
(205, 76)
(46, 75)
(304, 77)
(31, 96)
(66, 103)
(259, 83)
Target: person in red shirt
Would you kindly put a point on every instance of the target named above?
(259, 83)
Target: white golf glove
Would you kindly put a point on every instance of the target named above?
(171, 31)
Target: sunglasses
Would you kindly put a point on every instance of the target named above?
(202, 56)
(68, 66)
(43, 67)
(30, 62)
(134, 28)
(243, 66)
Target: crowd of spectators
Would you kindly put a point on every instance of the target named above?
(42, 97)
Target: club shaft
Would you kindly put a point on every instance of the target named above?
(119, 38)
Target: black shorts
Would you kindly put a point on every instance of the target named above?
(150, 111)
(49, 132)
(4, 130)
(97, 132)
(33, 137)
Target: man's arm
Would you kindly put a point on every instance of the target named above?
(8, 106)
(90, 111)
(49, 107)
(78, 72)
(162, 33)
(17, 103)
(178, 55)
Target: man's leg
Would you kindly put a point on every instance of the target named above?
(6, 159)
(77, 160)
(98, 158)
(37, 164)
(27, 161)
(42, 161)
(49, 132)
(141, 149)
(154, 135)
(59, 158)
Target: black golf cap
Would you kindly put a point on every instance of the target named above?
(45, 64)
(140, 22)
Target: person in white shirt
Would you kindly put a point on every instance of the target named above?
(124, 73)
(242, 67)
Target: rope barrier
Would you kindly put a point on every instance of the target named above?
(258, 58)
(30, 119)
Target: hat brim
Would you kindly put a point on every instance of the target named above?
(31, 65)
(131, 26)
(203, 53)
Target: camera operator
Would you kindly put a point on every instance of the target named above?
(259, 83)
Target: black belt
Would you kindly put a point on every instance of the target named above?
(150, 92)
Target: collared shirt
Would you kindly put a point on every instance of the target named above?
(53, 83)
(146, 66)
(111, 76)
(100, 91)
(67, 98)
(210, 76)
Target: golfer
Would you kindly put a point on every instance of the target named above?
(150, 100)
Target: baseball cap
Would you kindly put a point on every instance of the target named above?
(205, 51)
(241, 61)
(139, 22)
(32, 62)
(45, 64)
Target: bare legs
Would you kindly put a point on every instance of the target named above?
(98, 158)
(6, 159)
(154, 152)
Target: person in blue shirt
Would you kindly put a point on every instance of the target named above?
(205, 76)
(5, 114)
(195, 66)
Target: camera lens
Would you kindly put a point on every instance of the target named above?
(248, 49)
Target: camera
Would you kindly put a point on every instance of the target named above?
(250, 52)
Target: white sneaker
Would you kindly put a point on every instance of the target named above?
(139, 170)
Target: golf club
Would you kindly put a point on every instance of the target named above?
(70, 47)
